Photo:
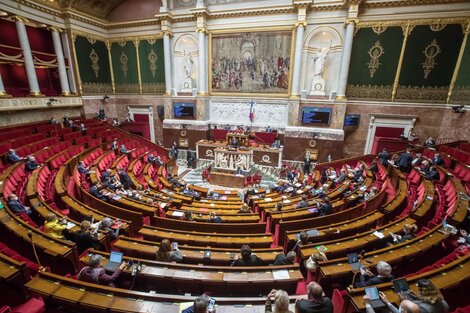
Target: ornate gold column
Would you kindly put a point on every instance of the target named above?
(406, 32)
(466, 31)
(108, 46)
(136, 44)
(75, 61)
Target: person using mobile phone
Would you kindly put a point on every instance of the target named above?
(281, 302)
(168, 252)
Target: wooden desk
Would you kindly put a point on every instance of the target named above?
(227, 180)
(193, 255)
(220, 280)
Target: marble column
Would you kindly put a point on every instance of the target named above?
(202, 62)
(345, 60)
(297, 60)
(64, 82)
(28, 58)
(2, 88)
(167, 57)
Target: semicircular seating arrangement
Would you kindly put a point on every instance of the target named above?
(164, 207)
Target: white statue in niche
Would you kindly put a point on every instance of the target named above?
(318, 82)
(188, 63)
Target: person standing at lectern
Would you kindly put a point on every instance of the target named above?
(234, 143)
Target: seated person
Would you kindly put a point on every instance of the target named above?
(52, 121)
(168, 252)
(372, 193)
(425, 168)
(283, 259)
(31, 164)
(281, 302)
(303, 203)
(16, 206)
(82, 169)
(85, 237)
(123, 150)
(438, 160)
(325, 208)
(213, 218)
(95, 192)
(358, 173)
(276, 144)
(94, 273)
(106, 225)
(53, 226)
(320, 192)
(303, 240)
(246, 258)
(234, 143)
(12, 157)
(245, 209)
(417, 160)
(278, 207)
(107, 173)
(409, 232)
(384, 275)
(342, 177)
(433, 173)
(135, 195)
(82, 127)
(187, 216)
(114, 145)
(465, 238)
(316, 301)
(428, 298)
(125, 179)
(406, 306)
(199, 306)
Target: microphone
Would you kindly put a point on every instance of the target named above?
(360, 257)
(30, 236)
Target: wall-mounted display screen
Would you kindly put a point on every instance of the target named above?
(352, 119)
(315, 115)
(184, 110)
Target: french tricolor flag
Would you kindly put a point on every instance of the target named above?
(252, 112)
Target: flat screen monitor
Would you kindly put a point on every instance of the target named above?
(315, 116)
(184, 110)
(352, 119)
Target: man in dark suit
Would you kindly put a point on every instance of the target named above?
(95, 192)
(84, 237)
(82, 169)
(384, 275)
(283, 259)
(438, 160)
(307, 162)
(16, 205)
(12, 157)
(247, 258)
(383, 157)
(234, 143)
(114, 144)
(315, 302)
(325, 208)
(126, 181)
(31, 164)
(404, 161)
(433, 173)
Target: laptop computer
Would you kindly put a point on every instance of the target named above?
(115, 259)
(353, 261)
(375, 300)
(400, 285)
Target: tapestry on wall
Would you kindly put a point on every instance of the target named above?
(124, 58)
(152, 66)
(93, 65)
(254, 62)
(429, 61)
(374, 60)
(461, 91)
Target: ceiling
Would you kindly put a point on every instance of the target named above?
(97, 8)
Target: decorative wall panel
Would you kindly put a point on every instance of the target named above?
(152, 66)
(93, 65)
(124, 58)
(429, 61)
(374, 61)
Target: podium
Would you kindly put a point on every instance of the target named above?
(226, 159)
(242, 138)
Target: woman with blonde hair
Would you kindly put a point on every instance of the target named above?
(244, 209)
(281, 302)
(53, 226)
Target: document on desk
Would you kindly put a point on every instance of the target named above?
(268, 199)
(70, 225)
(184, 305)
(280, 274)
(378, 234)
(177, 213)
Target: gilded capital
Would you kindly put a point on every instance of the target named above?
(354, 21)
(202, 30)
(54, 29)
(18, 18)
(303, 24)
(167, 33)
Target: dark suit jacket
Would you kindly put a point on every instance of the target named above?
(281, 259)
(96, 193)
(383, 157)
(404, 160)
(125, 180)
(374, 280)
(253, 260)
(16, 207)
(85, 240)
(311, 306)
(438, 161)
(30, 166)
(13, 158)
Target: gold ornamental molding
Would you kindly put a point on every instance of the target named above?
(354, 21)
(17, 18)
(54, 29)
(401, 3)
(466, 32)
(303, 23)
(411, 22)
(202, 30)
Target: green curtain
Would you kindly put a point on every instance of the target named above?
(428, 63)
(461, 92)
(374, 59)
(152, 66)
(93, 65)
(126, 76)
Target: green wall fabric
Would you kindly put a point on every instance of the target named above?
(124, 58)
(429, 83)
(93, 65)
(152, 66)
(374, 60)
(461, 92)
